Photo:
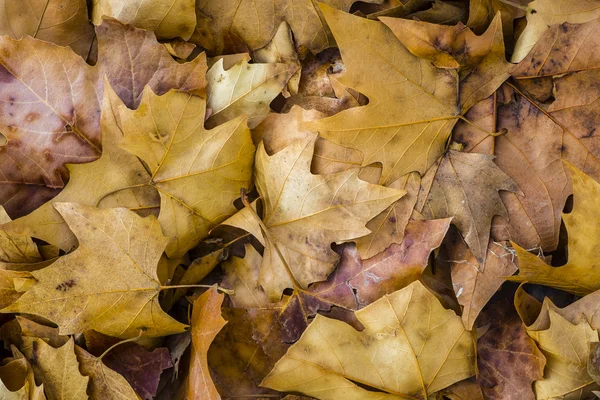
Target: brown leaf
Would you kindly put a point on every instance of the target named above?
(206, 324)
(17, 379)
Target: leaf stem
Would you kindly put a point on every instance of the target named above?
(133, 339)
(120, 189)
(501, 132)
(219, 288)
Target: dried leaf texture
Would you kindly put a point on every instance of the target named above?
(167, 133)
(83, 290)
(302, 213)
(412, 104)
(432, 350)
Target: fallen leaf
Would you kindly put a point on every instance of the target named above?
(254, 23)
(17, 380)
(64, 23)
(440, 351)
(206, 324)
(482, 12)
(76, 292)
(302, 214)
(167, 133)
(12, 285)
(508, 360)
(543, 13)
(58, 370)
(465, 186)
(167, 18)
(578, 275)
(244, 89)
(412, 105)
(14, 247)
(475, 283)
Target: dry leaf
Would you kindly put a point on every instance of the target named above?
(83, 291)
(465, 186)
(302, 214)
(17, 380)
(429, 353)
(206, 324)
(167, 133)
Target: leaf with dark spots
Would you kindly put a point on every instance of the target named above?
(508, 359)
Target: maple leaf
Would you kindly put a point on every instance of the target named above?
(167, 133)
(227, 24)
(302, 214)
(206, 324)
(167, 18)
(51, 104)
(432, 352)
(58, 370)
(395, 128)
(64, 23)
(543, 13)
(465, 186)
(76, 292)
(579, 274)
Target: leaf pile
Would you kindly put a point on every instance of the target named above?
(378, 199)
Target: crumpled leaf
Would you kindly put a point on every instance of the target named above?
(206, 324)
(412, 105)
(17, 380)
(167, 133)
(83, 290)
(244, 89)
(474, 284)
(302, 213)
(465, 186)
(64, 23)
(224, 25)
(167, 18)
(58, 370)
(411, 346)
(566, 347)
(60, 115)
(579, 275)
(508, 360)
(543, 13)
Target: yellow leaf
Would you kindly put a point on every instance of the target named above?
(17, 380)
(109, 283)
(167, 18)
(412, 104)
(206, 323)
(581, 273)
(302, 213)
(15, 247)
(411, 347)
(198, 172)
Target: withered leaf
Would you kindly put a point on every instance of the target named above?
(17, 381)
(83, 291)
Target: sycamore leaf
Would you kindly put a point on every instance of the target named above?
(225, 24)
(302, 213)
(474, 284)
(83, 290)
(15, 247)
(388, 227)
(104, 383)
(508, 359)
(103, 183)
(412, 105)
(413, 348)
(206, 324)
(244, 89)
(465, 186)
(183, 158)
(566, 347)
(167, 18)
(543, 13)
(198, 270)
(580, 274)
(17, 381)
(51, 102)
(12, 285)
(64, 23)
(58, 370)
(482, 12)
